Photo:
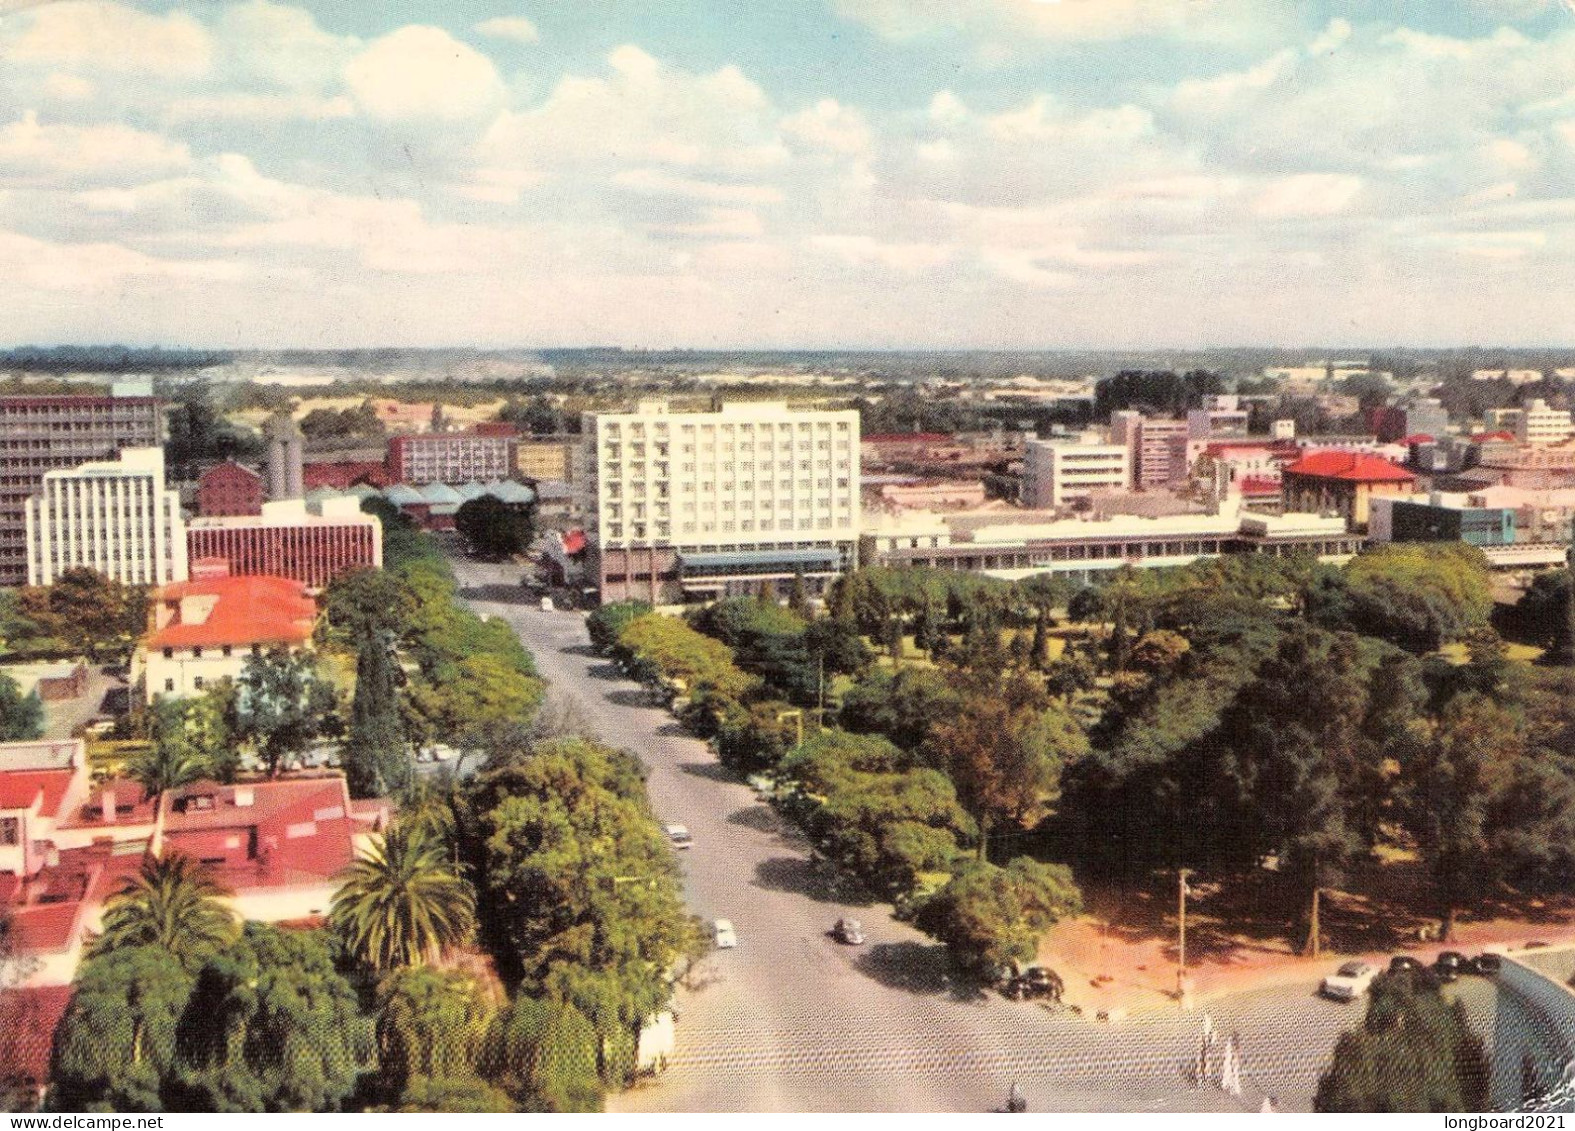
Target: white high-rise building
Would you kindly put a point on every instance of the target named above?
(1057, 472)
(116, 517)
(716, 503)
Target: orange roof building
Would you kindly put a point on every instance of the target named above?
(204, 630)
(1341, 482)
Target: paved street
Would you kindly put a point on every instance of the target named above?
(792, 1021)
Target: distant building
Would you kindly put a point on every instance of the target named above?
(1057, 473)
(204, 631)
(1539, 424)
(1434, 520)
(710, 504)
(1157, 448)
(229, 489)
(1342, 483)
(341, 475)
(487, 452)
(310, 543)
(546, 459)
(116, 517)
(56, 433)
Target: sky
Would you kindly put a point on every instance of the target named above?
(1012, 174)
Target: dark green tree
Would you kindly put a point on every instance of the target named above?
(989, 917)
(21, 716)
(174, 903)
(545, 1055)
(281, 704)
(377, 759)
(494, 529)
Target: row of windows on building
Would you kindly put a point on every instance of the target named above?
(638, 531)
(611, 428)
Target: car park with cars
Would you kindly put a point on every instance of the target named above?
(1349, 982)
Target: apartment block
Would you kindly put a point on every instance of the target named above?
(711, 504)
(486, 453)
(1539, 424)
(52, 433)
(115, 516)
(1057, 473)
(1158, 448)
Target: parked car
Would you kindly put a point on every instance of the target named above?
(1036, 982)
(849, 931)
(1404, 964)
(1450, 965)
(723, 935)
(1349, 982)
(1486, 965)
(678, 836)
(546, 604)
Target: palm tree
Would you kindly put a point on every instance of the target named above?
(167, 766)
(402, 903)
(172, 903)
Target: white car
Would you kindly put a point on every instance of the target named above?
(1349, 982)
(723, 934)
(679, 836)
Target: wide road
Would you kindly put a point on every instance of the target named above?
(793, 1021)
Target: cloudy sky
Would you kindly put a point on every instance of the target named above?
(838, 173)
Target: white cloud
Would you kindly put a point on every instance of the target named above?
(64, 155)
(262, 107)
(105, 36)
(516, 28)
(1308, 194)
(1004, 24)
(864, 251)
(282, 46)
(422, 72)
(657, 182)
(829, 126)
(62, 87)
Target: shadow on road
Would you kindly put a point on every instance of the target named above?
(499, 595)
(672, 730)
(623, 698)
(800, 876)
(917, 968)
(761, 818)
(605, 671)
(711, 771)
(578, 650)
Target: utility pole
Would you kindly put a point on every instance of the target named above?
(1182, 987)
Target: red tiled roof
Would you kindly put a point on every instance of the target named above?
(28, 1019)
(19, 789)
(1260, 485)
(1354, 467)
(1493, 437)
(574, 541)
(250, 610)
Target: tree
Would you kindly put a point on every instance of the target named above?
(87, 611)
(174, 756)
(1414, 1052)
(905, 706)
(607, 622)
(21, 716)
(431, 1026)
(1417, 596)
(367, 602)
(837, 644)
(281, 704)
(172, 903)
(115, 1045)
(494, 529)
(377, 760)
(544, 1053)
(1454, 783)
(270, 1025)
(990, 917)
(402, 903)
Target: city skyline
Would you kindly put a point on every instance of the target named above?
(828, 173)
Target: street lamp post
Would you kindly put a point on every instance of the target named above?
(1183, 983)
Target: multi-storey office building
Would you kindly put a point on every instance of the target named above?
(308, 543)
(1539, 424)
(712, 504)
(1058, 472)
(487, 453)
(43, 434)
(116, 517)
(1158, 448)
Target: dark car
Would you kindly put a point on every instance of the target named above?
(1036, 982)
(1404, 964)
(1450, 965)
(1486, 965)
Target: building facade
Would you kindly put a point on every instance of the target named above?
(546, 459)
(286, 457)
(486, 453)
(709, 504)
(1343, 483)
(116, 517)
(1434, 520)
(289, 539)
(43, 434)
(229, 489)
(1157, 448)
(1539, 424)
(1058, 472)
(203, 631)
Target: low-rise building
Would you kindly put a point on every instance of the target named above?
(1440, 518)
(1343, 483)
(229, 489)
(203, 631)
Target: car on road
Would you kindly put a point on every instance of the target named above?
(546, 604)
(723, 935)
(1405, 964)
(848, 931)
(678, 836)
(1450, 965)
(1349, 982)
(1036, 982)
(1486, 965)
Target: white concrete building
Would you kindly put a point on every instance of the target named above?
(712, 503)
(1539, 424)
(115, 516)
(1056, 472)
